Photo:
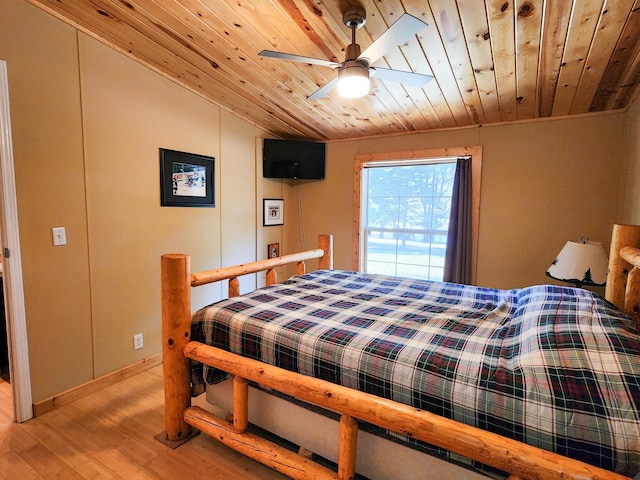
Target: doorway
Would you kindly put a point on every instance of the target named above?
(12, 265)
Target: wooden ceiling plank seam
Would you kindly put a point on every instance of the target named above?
(407, 96)
(508, 60)
(438, 105)
(278, 66)
(620, 61)
(452, 36)
(124, 47)
(364, 111)
(390, 93)
(473, 16)
(428, 113)
(396, 59)
(630, 86)
(501, 22)
(412, 100)
(582, 27)
(287, 68)
(376, 23)
(435, 106)
(270, 21)
(556, 18)
(215, 20)
(230, 43)
(334, 35)
(131, 33)
(411, 116)
(445, 82)
(191, 45)
(222, 85)
(528, 33)
(610, 26)
(252, 79)
(396, 121)
(377, 28)
(391, 96)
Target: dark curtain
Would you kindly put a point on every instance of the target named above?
(457, 263)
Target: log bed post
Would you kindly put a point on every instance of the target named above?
(620, 290)
(240, 404)
(348, 447)
(325, 242)
(176, 330)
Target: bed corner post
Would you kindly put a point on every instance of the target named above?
(325, 242)
(176, 320)
(618, 291)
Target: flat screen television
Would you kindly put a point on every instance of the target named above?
(295, 159)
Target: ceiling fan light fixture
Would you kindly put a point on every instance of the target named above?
(353, 80)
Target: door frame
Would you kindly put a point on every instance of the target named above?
(19, 371)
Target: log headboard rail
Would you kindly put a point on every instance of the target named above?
(520, 460)
(623, 277)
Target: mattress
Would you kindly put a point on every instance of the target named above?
(554, 367)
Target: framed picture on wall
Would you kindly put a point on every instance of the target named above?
(273, 212)
(186, 179)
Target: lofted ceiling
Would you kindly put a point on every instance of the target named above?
(493, 60)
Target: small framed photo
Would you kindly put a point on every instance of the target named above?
(273, 212)
(273, 250)
(186, 179)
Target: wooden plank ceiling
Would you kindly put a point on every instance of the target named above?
(493, 60)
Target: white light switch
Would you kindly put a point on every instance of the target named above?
(59, 236)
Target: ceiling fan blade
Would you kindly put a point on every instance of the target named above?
(298, 58)
(324, 90)
(397, 34)
(406, 78)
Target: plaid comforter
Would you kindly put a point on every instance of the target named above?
(555, 367)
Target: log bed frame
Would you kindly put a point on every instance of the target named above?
(182, 420)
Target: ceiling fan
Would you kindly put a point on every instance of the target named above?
(353, 74)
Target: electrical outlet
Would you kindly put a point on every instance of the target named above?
(138, 341)
(59, 236)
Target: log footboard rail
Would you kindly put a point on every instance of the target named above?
(521, 461)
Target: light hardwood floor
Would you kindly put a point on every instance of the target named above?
(109, 435)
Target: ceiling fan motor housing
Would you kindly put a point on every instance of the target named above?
(354, 16)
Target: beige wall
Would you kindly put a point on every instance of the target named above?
(543, 183)
(128, 113)
(87, 124)
(629, 208)
(42, 63)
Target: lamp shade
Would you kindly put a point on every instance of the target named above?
(580, 263)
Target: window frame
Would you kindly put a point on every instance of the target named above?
(474, 152)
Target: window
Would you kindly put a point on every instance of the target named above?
(402, 202)
(405, 217)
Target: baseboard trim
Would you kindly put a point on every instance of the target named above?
(64, 398)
